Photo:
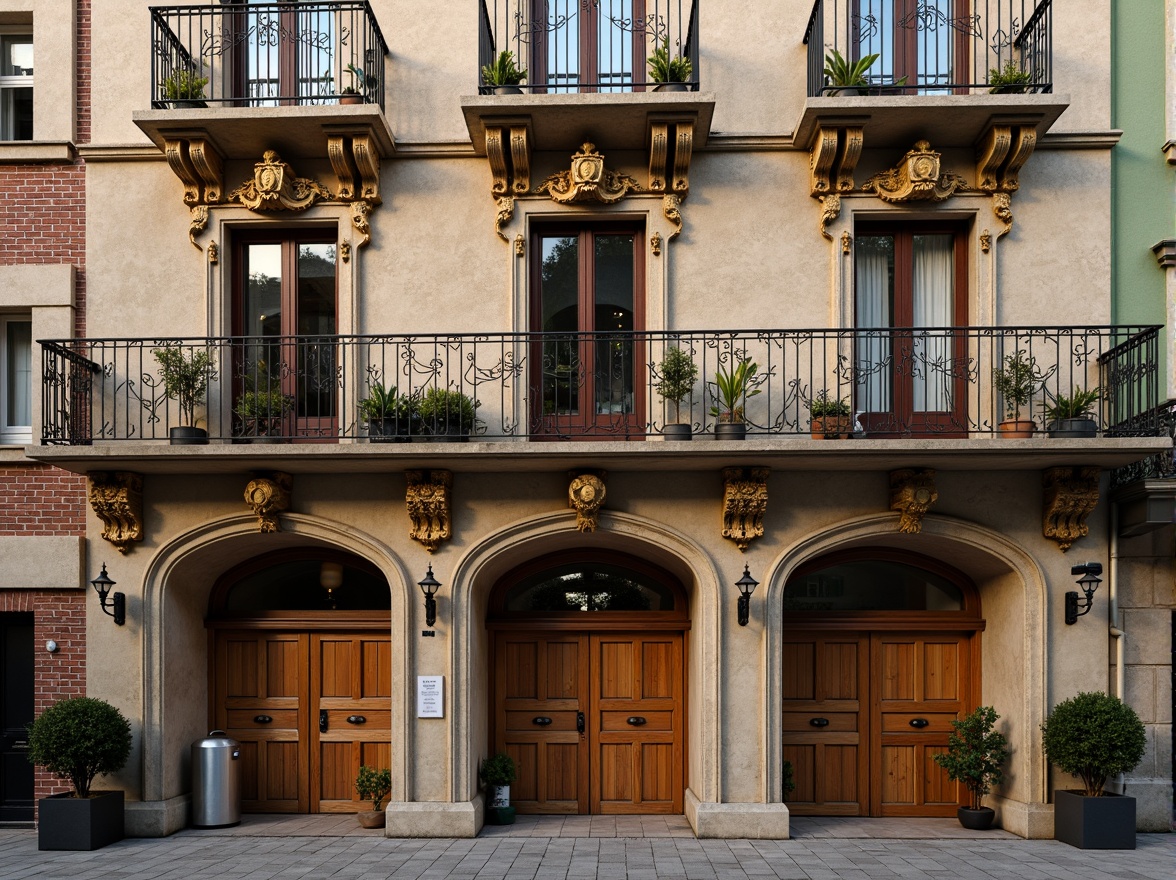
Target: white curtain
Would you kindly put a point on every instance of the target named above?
(873, 277)
(932, 295)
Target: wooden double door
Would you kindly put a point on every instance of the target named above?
(308, 709)
(864, 714)
(594, 721)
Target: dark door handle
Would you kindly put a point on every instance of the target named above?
(323, 720)
(355, 719)
(542, 721)
(919, 722)
(580, 722)
(636, 720)
(819, 722)
(262, 719)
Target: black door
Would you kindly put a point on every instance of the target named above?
(16, 713)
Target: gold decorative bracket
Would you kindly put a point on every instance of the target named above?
(917, 178)
(833, 158)
(745, 500)
(428, 501)
(912, 492)
(269, 494)
(117, 499)
(355, 159)
(275, 187)
(671, 147)
(586, 496)
(588, 180)
(1001, 153)
(508, 149)
(198, 165)
(1070, 496)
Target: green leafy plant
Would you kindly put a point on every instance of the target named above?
(358, 81)
(262, 412)
(789, 784)
(186, 373)
(386, 403)
(502, 71)
(975, 753)
(732, 386)
(1017, 381)
(679, 374)
(373, 785)
(823, 406)
(1009, 78)
(498, 769)
(183, 84)
(78, 739)
(444, 411)
(664, 69)
(845, 74)
(1074, 406)
(1093, 736)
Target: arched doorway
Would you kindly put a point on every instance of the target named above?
(588, 687)
(300, 675)
(880, 653)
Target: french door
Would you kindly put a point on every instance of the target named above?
(926, 41)
(284, 52)
(589, 46)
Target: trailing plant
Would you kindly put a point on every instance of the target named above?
(664, 69)
(1009, 75)
(1017, 381)
(185, 373)
(502, 71)
(78, 739)
(1074, 406)
(732, 386)
(182, 84)
(975, 753)
(842, 73)
(1093, 736)
(373, 785)
(679, 374)
(823, 406)
(498, 769)
(443, 410)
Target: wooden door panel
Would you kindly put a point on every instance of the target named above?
(799, 670)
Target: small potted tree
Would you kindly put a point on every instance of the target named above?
(184, 87)
(391, 417)
(1094, 736)
(670, 74)
(831, 418)
(732, 386)
(1070, 415)
(975, 754)
(678, 374)
(78, 739)
(185, 372)
(373, 785)
(447, 415)
(502, 76)
(1017, 381)
(498, 772)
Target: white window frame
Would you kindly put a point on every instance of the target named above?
(12, 434)
(16, 82)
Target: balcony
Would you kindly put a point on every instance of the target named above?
(914, 394)
(266, 76)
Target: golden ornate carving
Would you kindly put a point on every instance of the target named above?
(1002, 207)
(520, 157)
(655, 244)
(1070, 496)
(588, 180)
(830, 210)
(985, 241)
(520, 245)
(672, 208)
(833, 159)
(176, 153)
(852, 138)
(275, 187)
(345, 251)
(268, 495)
(821, 159)
(496, 154)
(360, 211)
(1023, 145)
(912, 492)
(683, 149)
(508, 149)
(916, 178)
(117, 499)
(846, 242)
(427, 500)
(367, 160)
(505, 205)
(586, 496)
(992, 152)
(659, 147)
(341, 165)
(207, 163)
(197, 224)
(213, 253)
(745, 500)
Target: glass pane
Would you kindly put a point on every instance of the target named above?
(16, 114)
(873, 259)
(315, 61)
(872, 586)
(262, 365)
(316, 320)
(562, 25)
(559, 304)
(935, 30)
(302, 585)
(16, 55)
(613, 368)
(933, 298)
(584, 586)
(615, 27)
(18, 410)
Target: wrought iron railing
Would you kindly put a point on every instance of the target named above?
(949, 46)
(266, 54)
(892, 383)
(570, 46)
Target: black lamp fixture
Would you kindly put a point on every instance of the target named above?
(429, 586)
(118, 602)
(746, 585)
(1089, 582)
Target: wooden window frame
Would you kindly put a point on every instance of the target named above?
(587, 23)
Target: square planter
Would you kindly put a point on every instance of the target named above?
(1106, 822)
(68, 823)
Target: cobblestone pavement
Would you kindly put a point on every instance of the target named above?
(204, 854)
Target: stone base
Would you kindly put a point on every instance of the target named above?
(434, 819)
(1153, 804)
(755, 821)
(1033, 821)
(158, 818)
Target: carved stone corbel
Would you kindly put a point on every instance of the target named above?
(505, 205)
(1070, 496)
(912, 492)
(427, 500)
(916, 178)
(354, 157)
(586, 496)
(508, 150)
(672, 208)
(1002, 207)
(745, 500)
(197, 223)
(269, 494)
(830, 211)
(117, 499)
(588, 180)
(360, 211)
(833, 158)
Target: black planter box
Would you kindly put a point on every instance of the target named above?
(1106, 822)
(68, 823)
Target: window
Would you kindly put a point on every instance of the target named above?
(16, 379)
(926, 41)
(285, 55)
(16, 86)
(589, 43)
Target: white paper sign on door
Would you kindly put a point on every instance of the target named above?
(430, 696)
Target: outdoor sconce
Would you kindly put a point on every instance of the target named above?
(118, 602)
(1089, 583)
(429, 586)
(746, 585)
(331, 579)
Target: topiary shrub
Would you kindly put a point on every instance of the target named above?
(498, 769)
(975, 753)
(78, 739)
(373, 785)
(1093, 736)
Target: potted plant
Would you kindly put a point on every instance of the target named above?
(353, 94)
(787, 780)
(78, 739)
(670, 74)
(975, 754)
(185, 373)
(679, 374)
(373, 785)
(183, 87)
(847, 78)
(1009, 80)
(831, 419)
(447, 415)
(1094, 736)
(391, 417)
(1070, 416)
(261, 413)
(1016, 382)
(502, 75)
(498, 772)
(730, 390)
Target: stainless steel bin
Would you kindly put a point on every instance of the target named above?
(216, 781)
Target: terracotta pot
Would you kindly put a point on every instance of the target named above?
(1017, 429)
(350, 99)
(832, 427)
(371, 818)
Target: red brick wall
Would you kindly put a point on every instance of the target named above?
(41, 500)
(83, 72)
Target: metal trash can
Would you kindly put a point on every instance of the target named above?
(216, 781)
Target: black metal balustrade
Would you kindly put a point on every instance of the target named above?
(568, 46)
(266, 54)
(900, 382)
(948, 46)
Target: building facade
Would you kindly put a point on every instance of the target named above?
(364, 321)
